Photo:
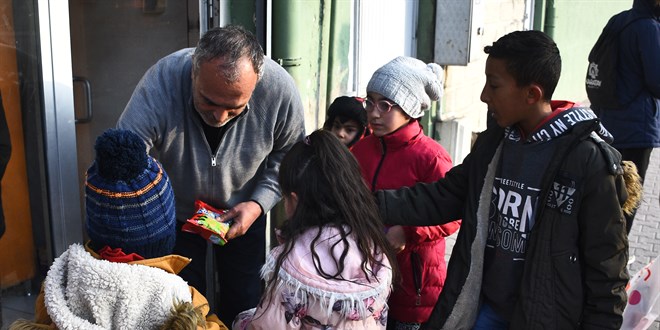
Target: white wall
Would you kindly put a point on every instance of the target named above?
(462, 111)
(386, 29)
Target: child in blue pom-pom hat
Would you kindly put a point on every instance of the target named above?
(125, 276)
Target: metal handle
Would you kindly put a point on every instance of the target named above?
(286, 62)
(88, 98)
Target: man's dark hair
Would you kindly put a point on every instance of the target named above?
(531, 57)
(231, 43)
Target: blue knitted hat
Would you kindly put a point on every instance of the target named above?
(129, 198)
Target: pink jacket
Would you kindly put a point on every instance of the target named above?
(402, 159)
(304, 300)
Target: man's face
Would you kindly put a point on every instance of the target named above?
(217, 100)
(506, 101)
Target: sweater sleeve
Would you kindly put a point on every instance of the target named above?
(157, 91)
(289, 129)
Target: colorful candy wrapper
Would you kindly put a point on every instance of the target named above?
(206, 223)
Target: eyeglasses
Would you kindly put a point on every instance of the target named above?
(383, 105)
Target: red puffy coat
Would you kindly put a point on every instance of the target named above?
(402, 159)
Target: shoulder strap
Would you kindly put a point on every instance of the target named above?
(612, 156)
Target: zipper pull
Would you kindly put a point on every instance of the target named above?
(418, 300)
(213, 163)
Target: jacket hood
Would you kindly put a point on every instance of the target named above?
(82, 292)
(347, 297)
(564, 119)
(645, 7)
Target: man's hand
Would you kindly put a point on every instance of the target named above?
(243, 214)
(397, 238)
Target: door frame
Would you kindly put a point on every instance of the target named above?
(59, 125)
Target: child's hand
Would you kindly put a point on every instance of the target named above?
(397, 238)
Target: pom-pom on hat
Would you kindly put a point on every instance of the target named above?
(129, 198)
(410, 83)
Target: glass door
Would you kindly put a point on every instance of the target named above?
(113, 43)
(67, 69)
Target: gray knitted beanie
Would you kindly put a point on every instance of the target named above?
(410, 83)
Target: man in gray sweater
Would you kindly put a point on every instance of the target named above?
(220, 117)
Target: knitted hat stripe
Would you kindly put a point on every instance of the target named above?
(142, 231)
(129, 194)
(102, 203)
(135, 223)
(157, 213)
(129, 199)
(111, 237)
(166, 205)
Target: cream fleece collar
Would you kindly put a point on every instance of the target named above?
(82, 292)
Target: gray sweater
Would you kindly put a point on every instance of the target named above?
(247, 161)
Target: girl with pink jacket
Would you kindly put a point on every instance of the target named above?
(333, 269)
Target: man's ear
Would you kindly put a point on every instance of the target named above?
(534, 93)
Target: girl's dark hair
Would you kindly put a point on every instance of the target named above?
(531, 57)
(331, 192)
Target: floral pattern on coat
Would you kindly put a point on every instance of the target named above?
(295, 311)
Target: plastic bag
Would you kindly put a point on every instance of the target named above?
(643, 294)
(206, 223)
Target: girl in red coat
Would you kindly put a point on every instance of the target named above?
(398, 154)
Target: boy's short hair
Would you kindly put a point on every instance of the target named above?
(531, 57)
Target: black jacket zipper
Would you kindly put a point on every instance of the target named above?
(416, 264)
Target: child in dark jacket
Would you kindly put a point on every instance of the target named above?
(347, 120)
(125, 276)
(396, 155)
(543, 241)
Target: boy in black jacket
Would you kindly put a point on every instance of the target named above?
(543, 241)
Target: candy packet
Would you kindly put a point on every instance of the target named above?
(206, 223)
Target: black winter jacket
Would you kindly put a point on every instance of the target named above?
(575, 270)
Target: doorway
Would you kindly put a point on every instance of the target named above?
(113, 43)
